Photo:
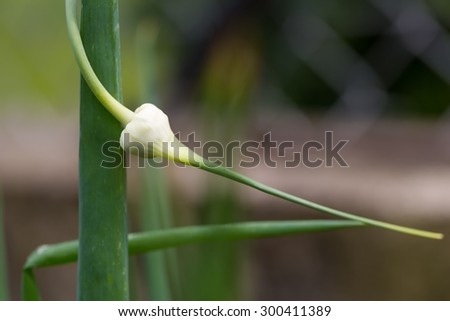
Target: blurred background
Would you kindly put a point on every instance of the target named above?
(375, 72)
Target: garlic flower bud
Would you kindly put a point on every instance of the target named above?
(148, 134)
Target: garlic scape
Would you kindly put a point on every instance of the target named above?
(147, 132)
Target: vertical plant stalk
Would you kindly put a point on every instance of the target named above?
(229, 74)
(103, 251)
(161, 267)
(152, 204)
(153, 198)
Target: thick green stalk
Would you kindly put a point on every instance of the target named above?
(103, 259)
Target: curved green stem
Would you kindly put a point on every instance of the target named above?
(119, 111)
(213, 168)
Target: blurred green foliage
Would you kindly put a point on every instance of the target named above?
(35, 55)
(37, 68)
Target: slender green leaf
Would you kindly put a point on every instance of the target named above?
(54, 254)
(143, 242)
(138, 243)
(103, 259)
(30, 290)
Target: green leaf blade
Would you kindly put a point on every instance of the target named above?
(144, 242)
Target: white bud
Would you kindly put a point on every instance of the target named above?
(148, 132)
